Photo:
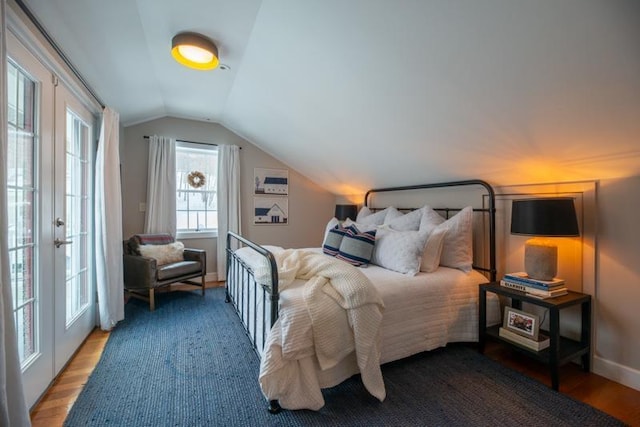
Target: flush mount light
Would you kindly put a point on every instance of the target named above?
(194, 51)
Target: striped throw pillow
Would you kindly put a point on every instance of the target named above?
(331, 244)
(357, 247)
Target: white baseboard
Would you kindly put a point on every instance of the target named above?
(211, 277)
(616, 372)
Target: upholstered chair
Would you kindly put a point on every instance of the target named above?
(155, 260)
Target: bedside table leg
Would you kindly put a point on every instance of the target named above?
(482, 320)
(554, 346)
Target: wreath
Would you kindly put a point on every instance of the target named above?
(196, 179)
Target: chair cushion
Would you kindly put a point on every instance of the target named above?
(177, 269)
(164, 254)
(148, 239)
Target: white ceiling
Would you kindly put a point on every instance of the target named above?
(361, 93)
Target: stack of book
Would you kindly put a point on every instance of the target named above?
(540, 344)
(533, 287)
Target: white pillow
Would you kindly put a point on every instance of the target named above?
(330, 225)
(164, 254)
(362, 213)
(367, 217)
(392, 213)
(433, 250)
(457, 247)
(403, 222)
(399, 251)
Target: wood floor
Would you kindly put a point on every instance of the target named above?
(52, 409)
(620, 401)
(613, 398)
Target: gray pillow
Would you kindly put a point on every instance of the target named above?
(332, 241)
(356, 247)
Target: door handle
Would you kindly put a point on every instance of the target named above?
(59, 242)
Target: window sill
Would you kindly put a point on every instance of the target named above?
(196, 234)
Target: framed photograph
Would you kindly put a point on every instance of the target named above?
(271, 210)
(521, 323)
(271, 182)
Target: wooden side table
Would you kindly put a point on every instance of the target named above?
(561, 349)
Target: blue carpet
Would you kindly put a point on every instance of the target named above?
(190, 364)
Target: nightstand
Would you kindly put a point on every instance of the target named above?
(561, 349)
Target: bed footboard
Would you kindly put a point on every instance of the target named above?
(255, 303)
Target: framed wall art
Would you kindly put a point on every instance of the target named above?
(271, 182)
(271, 210)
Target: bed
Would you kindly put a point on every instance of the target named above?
(418, 310)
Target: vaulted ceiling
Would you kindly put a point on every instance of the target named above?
(361, 93)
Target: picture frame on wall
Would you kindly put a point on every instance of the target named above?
(271, 210)
(271, 182)
(521, 323)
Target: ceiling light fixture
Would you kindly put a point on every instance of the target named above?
(194, 51)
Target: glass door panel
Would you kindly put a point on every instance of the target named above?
(21, 91)
(74, 283)
(77, 204)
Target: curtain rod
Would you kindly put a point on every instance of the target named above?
(57, 49)
(192, 142)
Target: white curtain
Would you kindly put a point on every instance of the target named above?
(228, 201)
(161, 186)
(13, 408)
(108, 223)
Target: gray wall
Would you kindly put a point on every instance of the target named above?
(310, 206)
(618, 288)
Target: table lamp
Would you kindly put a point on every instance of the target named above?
(543, 217)
(346, 211)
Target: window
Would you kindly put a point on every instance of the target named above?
(196, 184)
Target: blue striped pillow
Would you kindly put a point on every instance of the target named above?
(332, 241)
(356, 247)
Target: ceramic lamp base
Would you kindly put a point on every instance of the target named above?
(540, 259)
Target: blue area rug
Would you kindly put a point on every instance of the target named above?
(190, 364)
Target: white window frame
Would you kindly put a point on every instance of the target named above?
(192, 234)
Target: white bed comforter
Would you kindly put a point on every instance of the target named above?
(345, 311)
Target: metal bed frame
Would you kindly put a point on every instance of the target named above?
(490, 210)
(242, 286)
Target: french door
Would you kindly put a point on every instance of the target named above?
(50, 160)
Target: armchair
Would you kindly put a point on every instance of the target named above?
(144, 274)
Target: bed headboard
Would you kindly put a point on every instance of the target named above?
(448, 198)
